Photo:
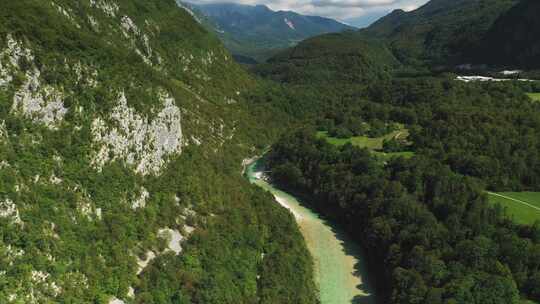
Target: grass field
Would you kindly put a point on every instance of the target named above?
(534, 96)
(523, 207)
(373, 144)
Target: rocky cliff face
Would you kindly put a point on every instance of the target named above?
(99, 102)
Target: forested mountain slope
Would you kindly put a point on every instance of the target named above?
(417, 203)
(440, 35)
(332, 59)
(440, 32)
(257, 31)
(514, 39)
(122, 130)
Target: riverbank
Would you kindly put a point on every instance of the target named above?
(339, 268)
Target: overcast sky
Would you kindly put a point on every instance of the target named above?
(356, 12)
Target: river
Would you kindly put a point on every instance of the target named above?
(339, 267)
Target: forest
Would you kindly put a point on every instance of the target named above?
(426, 220)
(429, 233)
(490, 131)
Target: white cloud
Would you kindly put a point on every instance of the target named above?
(338, 9)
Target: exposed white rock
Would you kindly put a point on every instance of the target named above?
(289, 24)
(116, 301)
(42, 279)
(15, 51)
(187, 9)
(41, 103)
(196, 141)
(208, 58)
(85, 208)
(131, 292)
(94, 23)
(128, 27)
(36, 101)
(3, 129)
(85, 76)
(39, 276)
(108, 7)
(12, 253)
(10, 57)
(139, 142)
(131, 31)
(55, 180)
(9, 210)
(150, 255)
(5, 76)
(140, 202)
(4, 164)
(174, 239)
(65, 13)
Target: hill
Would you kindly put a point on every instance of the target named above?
(514, 38)
(258, 32)
(440, 32)
(120, 150)
(339, 58)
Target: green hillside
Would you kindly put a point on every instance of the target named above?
(122, 133)
(514, 38)
(425, 222)
(257, 31)
(340, 58)
(440, 32)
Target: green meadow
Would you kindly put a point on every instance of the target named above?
(375, 144)
(534, 96)
(523, 207)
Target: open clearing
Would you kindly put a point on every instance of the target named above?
(373, 144)
(523, 207)
(534, 96)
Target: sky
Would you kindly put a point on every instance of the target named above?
(355, 12)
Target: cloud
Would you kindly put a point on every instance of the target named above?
(353, 11)
(353, 3)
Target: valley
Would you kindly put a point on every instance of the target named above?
(386, 178)
(340, 270)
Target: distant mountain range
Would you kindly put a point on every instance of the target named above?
(440, 35)
(257, 32)
(441, 31)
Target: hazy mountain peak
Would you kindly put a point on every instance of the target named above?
(258, 31)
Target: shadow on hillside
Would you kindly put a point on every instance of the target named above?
(351, 248)
(348, 245)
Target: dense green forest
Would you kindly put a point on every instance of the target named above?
(441, 32)
(124, 124)
(121, 146)
(490, 131)
(424, 220)
(513, 39)
(438, 36)
(430, 234)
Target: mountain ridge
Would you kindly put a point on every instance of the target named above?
(120, 139)
(257, 31)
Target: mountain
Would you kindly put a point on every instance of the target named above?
(257, 31)
(332, 59)
(514, 39)
(123, 127)
(441, 31)
(439, 35)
